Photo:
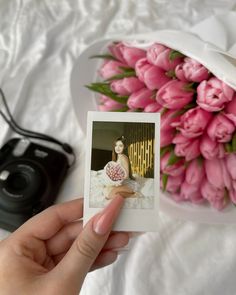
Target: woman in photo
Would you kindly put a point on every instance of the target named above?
(120, 168)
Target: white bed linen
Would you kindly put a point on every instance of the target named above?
(143, 188)
(39, 43)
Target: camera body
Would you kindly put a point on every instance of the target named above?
(30, 177)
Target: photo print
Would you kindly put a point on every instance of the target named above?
(123, 158)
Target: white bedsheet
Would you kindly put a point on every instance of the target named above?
(144, 188)
(39, 43)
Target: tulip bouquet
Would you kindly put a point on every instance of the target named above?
(114, 173)
(198, 117)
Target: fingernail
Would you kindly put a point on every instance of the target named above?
(135, 234)
(120, 252)
(122, 249)
(103, 223)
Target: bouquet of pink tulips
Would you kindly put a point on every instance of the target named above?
(198, 117)
(114, 173)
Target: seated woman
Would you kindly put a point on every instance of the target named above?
(128, 185)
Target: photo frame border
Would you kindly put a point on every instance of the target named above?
(129, 219)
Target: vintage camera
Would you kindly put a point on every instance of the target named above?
(30, 177)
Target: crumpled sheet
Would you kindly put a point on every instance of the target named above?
(39, 43)
(142, 186)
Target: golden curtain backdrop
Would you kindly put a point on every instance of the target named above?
(140, 141)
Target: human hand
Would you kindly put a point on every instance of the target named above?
(52, 253)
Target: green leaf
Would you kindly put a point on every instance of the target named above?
(226, 196)
(189, 87)
(190, 106)
(184, 109)
(178, 113)
(126, 70)
(104, 88)
(116, 42)
(200, 160)
(124, 109)
(154, 93)
(228, 147)
(170, 74)
(122, 75)
(164, 181)
(137, 110)
(234, 143)
(104, 56)
(175, 54)
(166, 149)
(164, 110)
(226, 193)
(186, 164)
(173, 159)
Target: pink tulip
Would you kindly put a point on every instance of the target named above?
(159, 55)
(232, 195)
(215, 196)
(131, 55)
(173, 95)
(193, 122)
(140, 99)
(230, 161)
(166, 137)
(107, 104)
(228, 182)
(168, 118)
(155, 78)
(174, 183)
(230, 110)
(111, 68)
(141, 66)
(197, 197)
(220, 128)
(213, 169)
(212, 95)
(115, 50)
(195, 173)
(211, 149)
(186, 147)
(233, 184)
(191, 70)
(177, 197)
(218, 174)
(126, 86)
(191, 193)
(153, 108)
(173, 170)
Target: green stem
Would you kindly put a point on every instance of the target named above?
(104, 88)
(164, 181)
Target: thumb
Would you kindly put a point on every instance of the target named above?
(85, 249)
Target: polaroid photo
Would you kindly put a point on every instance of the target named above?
(123, 157)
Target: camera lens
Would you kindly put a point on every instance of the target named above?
(21, 185)
(17, 182)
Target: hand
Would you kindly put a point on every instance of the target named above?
(52, 253)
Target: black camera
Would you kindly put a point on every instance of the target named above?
(30, 177)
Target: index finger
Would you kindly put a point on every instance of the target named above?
(45, 224)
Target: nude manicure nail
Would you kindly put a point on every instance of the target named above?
(120, 252)
(122, 249)
(103, 223)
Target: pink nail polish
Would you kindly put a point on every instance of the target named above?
(104, 221)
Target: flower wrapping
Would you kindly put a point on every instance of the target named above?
(198, 117)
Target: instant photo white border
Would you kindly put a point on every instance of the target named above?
(129, 219)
